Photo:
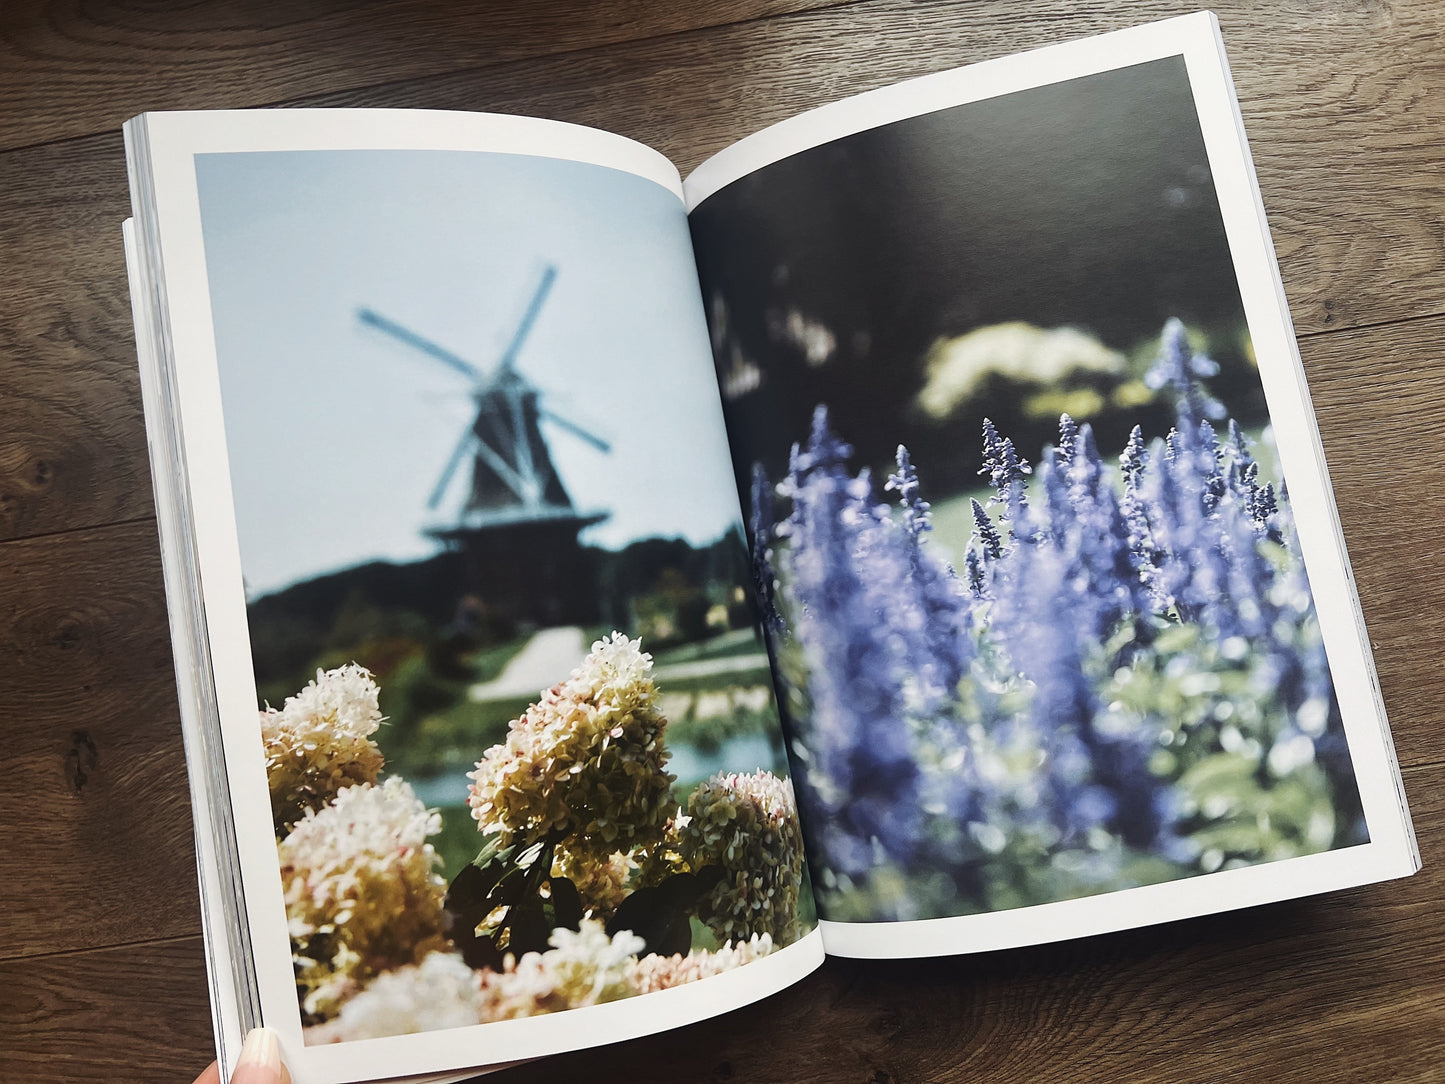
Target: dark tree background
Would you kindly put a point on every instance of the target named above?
(1087, 203)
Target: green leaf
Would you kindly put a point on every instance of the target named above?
(528, 928)
(490, 850)
(660, 914)
(566, 903)
(479, 952)
(466, 905)
(471, 886)
(506, 882)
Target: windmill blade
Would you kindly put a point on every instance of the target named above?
(525, 489)
(417, 342)
(458, 454)
(509, 355)
(575, 429)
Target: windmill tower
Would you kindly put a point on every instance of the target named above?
(517, 525)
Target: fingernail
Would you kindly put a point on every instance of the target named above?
(260, 1051)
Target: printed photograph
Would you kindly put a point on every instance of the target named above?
(1023, 546)
(518, 720)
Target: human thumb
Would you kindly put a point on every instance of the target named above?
(260, 1061)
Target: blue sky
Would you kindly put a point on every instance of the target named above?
(336, 433)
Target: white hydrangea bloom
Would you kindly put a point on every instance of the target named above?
(652, 973)
(748, 825)
(341, 701)
(320, 742)
(613, 661)
(362, 890)
(587, 762)
(591, 952)
(440, 992)
(583, 967)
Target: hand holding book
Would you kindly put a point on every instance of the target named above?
(259, 1063)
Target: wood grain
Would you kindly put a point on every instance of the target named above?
(95, 821)
(1336, 98)
(72, 439)
(1348, 986)
(101, 976)
(117, 1014)
(1342, 987)
(1377, 395)
(72, 68)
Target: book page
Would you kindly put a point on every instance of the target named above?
(504, 762)
(1065, 634)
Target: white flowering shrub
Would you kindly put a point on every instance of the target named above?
(440, 992)
(578, 819)
(589, 875)
(586, 763)
(586, 966)
(748, 826)
(363, 894)
(655, 972)
(320, 741)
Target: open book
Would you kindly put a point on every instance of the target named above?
(596, 595)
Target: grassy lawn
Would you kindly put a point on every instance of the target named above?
(459, 840)
(732, 644)
(489, 663)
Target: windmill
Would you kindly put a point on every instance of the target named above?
(517, 525)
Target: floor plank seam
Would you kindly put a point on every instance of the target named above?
(28, 957)
(291, 103)
(1429, 765)
(133, 520)
(1392, 322)
(451, 73)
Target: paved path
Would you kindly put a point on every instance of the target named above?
(550, 655)
(731, 664)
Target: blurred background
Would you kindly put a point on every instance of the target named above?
(522, 448)
(1014, 258)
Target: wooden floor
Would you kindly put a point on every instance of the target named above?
(101, 976)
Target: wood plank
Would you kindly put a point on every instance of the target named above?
(1353, 186)
(1377, 395)
(73, 69)
(1344, 103)
(72, 437)
(136, 1013)
(95, 821)
(1348, 986)
(1342, 987)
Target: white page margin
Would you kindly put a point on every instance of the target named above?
(174, 140)
(1392, 851)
